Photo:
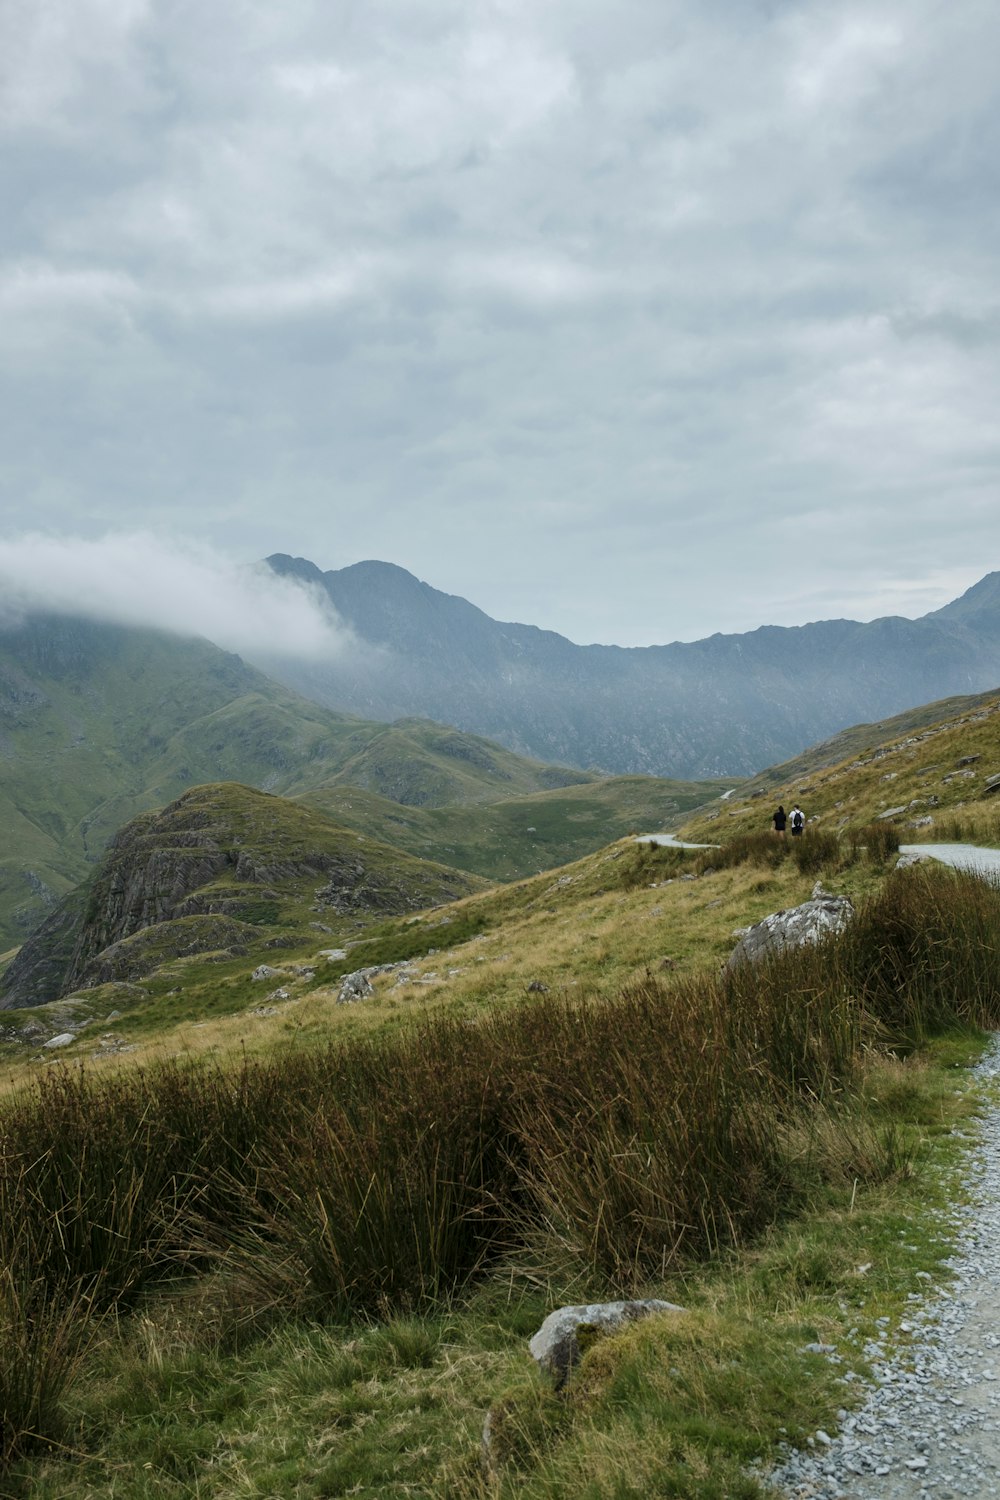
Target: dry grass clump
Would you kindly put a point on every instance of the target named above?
(596, 1140)
(880, 841)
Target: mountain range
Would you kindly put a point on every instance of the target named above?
(729, 705)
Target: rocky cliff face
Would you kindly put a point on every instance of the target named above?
(728, 705)
(194, 877)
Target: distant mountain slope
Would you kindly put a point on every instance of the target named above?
(863, 740)
(932, 773)
(98, 723)
(728, 705)
(520, 836)
(225, 869)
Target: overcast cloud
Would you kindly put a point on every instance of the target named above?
(630, 318)
(143, 580)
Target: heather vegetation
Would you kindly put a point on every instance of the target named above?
(260, 1278)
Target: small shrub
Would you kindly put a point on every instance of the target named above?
(814, 851)
(879, 840)
(764, 849)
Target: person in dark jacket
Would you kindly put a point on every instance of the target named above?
(779, 820)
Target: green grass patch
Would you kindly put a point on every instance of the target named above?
(394, 943)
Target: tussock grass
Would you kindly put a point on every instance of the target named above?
(880, 841)
(44, 1337)
(594, 1143)
(972, 823)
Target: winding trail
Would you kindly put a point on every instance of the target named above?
(669, 842)
(928, 1429)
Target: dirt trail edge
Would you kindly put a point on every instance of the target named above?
(930, 1426)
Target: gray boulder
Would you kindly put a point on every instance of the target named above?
(358, 985)
(559, 1343)
(818, 918)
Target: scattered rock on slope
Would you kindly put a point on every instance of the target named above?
(823, 915)
(558, 1345)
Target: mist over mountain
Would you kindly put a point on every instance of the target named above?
(725, 706)
(100, 722)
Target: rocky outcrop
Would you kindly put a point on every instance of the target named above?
(817, 918)
(145, 950)
(201, 876)
(562, 1339)
(357, 886)
(358, 985)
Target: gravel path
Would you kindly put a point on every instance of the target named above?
(960, 856)
(929, 1427)
(669, 842)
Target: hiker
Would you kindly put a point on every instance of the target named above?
(779, 820)
(798, 820)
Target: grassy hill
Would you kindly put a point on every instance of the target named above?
(925, 772)
(524, 834)
(98, 724)
(357, 1284)
(227, 872)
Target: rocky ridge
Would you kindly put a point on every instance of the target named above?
(222, 870)
(727, 705)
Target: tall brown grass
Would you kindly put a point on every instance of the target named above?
(598, 1141)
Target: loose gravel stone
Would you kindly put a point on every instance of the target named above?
(928, 1429)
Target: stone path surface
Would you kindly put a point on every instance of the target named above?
(930, 1426)
(669, 842)
(959, 856)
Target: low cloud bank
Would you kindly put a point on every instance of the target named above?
(143, 580)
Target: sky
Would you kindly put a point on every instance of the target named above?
(633, 319)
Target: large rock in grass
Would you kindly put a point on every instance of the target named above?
(818, 918)
(564, 1336)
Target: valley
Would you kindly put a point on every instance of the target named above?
(728, 705)
(324, 1124)
(99, 723)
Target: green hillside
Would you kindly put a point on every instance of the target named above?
(98, 724)
(521, 835)
(323, 1232)
(418, 763)
(226, 872)
(927, 773)
(863, 739)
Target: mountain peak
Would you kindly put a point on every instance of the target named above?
(294, 567)
(983, 597)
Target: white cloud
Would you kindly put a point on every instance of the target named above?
(30, 288)
(60, 59)
(138, 579)
(842, 58)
